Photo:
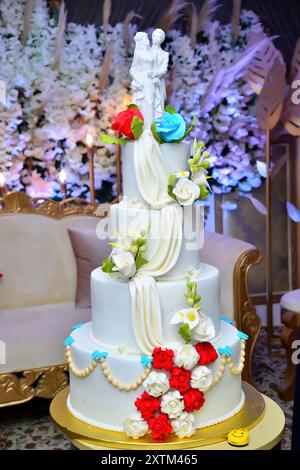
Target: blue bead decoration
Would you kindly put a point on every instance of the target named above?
(242, 335)
(227, 320)
(75, 327)
(97, 355)
(68, 341)
(145, 360)
(225, 351)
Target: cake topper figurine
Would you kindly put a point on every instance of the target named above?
(149, 65)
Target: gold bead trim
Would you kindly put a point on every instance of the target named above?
(235, 370)
(106, 372)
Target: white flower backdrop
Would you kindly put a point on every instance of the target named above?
(49, 110)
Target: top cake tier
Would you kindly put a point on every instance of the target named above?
(175, 157)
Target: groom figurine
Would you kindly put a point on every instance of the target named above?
(160, 67)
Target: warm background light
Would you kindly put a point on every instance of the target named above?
(2, 180)
(89, 140)
(62, 177)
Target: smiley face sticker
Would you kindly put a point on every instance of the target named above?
(238, 437)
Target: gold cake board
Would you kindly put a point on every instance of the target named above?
(85, 436)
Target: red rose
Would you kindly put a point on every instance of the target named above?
(180, 379)
(193, 400)
(206, 352)
(123, 121)
(160, 426)
(162, 359)
(147, 405)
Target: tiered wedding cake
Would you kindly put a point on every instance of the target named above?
(158, 357)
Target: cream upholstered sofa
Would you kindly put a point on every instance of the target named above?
(38, 291)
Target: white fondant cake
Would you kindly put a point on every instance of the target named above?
(157, 356)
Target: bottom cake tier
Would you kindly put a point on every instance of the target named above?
(103, 393)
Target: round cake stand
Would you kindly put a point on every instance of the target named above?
(262, 417)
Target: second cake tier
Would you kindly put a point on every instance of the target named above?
(113, 322)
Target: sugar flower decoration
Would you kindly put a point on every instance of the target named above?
(135, 426)
(184, 425)
(187, 357)
(156, 384)
(201, 378)
(186, 191)
(186, 315)
(172, 404)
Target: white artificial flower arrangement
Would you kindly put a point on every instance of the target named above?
(49, 110)
(127, 256)
(194, 324)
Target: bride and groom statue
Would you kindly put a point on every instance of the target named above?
(150, 64)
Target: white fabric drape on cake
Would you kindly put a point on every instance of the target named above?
(152, 177)
(150, 171)
(146, 313)
(146, 310)
(170, 240)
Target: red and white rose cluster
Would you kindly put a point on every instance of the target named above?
(174, 389)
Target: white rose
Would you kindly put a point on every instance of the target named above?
(124, 263)
(135, 426)
(156, 384)
(201, 378)
(186, 191)
(205, 329)
(187, 357)
(172, 404)
(184, 425)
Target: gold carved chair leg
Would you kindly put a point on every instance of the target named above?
(291, 325)
(245, 314)
(23, 386)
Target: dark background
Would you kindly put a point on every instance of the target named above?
(280, 17)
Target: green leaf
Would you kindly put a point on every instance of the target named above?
(108, 265)
(155, 134)
(137, 126)
(204, 192)
(185, 332)
(132, 105)
(189, 130)
(140, 261)
(170, 192)
(169, 109)
(111, 139)
(172, 179)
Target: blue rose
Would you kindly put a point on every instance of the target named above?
(170, 127)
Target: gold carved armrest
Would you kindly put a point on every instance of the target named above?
(245, 314)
